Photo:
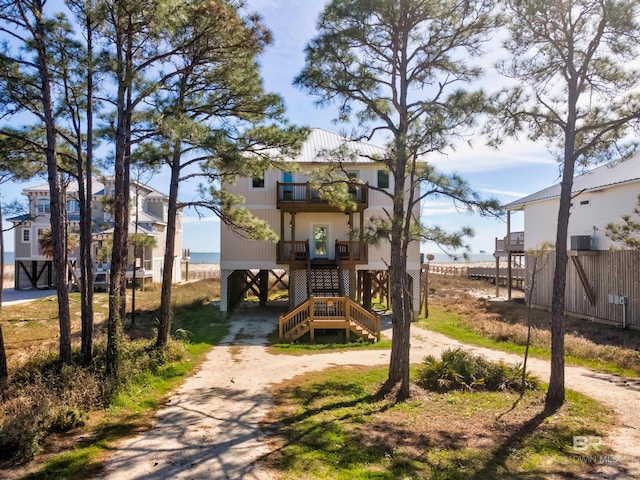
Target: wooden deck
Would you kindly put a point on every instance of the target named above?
(340, 313)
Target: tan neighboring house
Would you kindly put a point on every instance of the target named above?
(148, 217)
(603, 278)
(331, 270)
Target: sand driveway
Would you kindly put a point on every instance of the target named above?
(210, 427)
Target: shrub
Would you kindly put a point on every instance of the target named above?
(459, 369)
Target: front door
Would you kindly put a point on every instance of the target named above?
(287, 178)
(320, 241)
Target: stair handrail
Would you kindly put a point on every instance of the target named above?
(339, 266)
(307, 250)
(287, 317)
(374, 327)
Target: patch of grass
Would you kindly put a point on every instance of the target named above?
(300, 348)
(146, 375)
(510, 340)
(338, 428)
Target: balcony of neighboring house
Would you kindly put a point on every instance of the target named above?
(296, 253)
(513, 243)
(303, 197)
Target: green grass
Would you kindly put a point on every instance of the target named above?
(330, 342)
(333, 426)
(451, 325)
(132, 407)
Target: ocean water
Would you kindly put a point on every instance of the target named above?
(214, 257)
(196, 257)
(204, 257)
(472, 258)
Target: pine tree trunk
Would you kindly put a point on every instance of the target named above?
(555, 395)
(4, 373)
(164, 327)
(57, 202)
(86, 196)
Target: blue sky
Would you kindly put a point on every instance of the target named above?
(515, 170)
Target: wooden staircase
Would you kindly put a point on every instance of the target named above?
(329, 313)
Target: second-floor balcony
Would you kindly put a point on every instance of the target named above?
(353, 252)
(303, 197)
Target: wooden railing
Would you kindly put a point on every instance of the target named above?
(295, 318)
(304, 194)
(352, 251)
(291, 251)
(319, 309)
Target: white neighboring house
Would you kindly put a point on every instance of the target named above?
(149, 207)
(603, 278)
(313, 234)
(600, 196)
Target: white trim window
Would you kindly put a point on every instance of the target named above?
(26, 235)
(43, 205)
(257, 182)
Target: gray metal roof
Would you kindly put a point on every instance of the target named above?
(321, 141)
(604, 176)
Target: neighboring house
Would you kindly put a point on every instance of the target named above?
(603, 279)
(149, 208)
(320, 246)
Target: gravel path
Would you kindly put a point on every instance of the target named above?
(210, 427)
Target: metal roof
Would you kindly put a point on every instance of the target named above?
(604, 176)
(321, 143)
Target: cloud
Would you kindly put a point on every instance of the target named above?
(506, 193)
(196, 220)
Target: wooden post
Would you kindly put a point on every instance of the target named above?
(497, 276)
(263, 287)
(366, 290)
(508, 249)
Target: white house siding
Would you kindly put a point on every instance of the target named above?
(603, 207)
(239, 253)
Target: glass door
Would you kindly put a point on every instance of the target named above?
(320, 241)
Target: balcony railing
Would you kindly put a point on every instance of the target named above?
(303, 196)
(514, 242)
(352, 251)
(289, 251)
(298, 251)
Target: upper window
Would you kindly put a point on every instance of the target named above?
(258, 181)
(26, 235)
(383, 179)
(584, 202)
(44, 205)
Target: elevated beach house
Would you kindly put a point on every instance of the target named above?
(603, 278)
(332, 272)
(148, 218)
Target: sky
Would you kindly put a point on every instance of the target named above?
(517, 169)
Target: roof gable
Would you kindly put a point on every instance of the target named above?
(604, 176)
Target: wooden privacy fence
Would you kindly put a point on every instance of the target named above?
(595, 279)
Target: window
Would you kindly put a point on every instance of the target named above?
(26, 235)
(383, 179)
(258, 181)
(73, 206)
(41, 233)
(44, 206)
(320, 240)
(584, 202)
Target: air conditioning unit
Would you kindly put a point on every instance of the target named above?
(580, 242)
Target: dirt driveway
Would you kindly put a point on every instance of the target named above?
(210, 427)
